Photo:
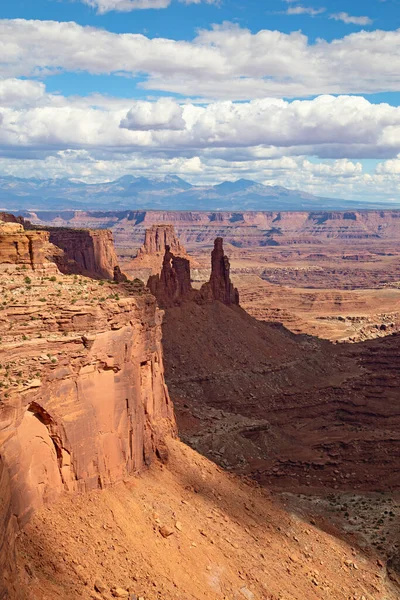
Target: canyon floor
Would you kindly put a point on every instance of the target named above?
(346, 291)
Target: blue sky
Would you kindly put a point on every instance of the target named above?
(301, 94)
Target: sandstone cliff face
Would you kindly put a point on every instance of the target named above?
(150, 257)
(22, 248)
(10, 218)
(220, 286)
(157, 238)
(173, 286)
(83, 402)
(91, 251)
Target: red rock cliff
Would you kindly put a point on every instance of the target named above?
(220, 284)
(83, 402)
(173, 285)
(22, 248)
(158, 237)
(91, 250)
(150, 257)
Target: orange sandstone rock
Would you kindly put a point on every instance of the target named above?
(83, 401)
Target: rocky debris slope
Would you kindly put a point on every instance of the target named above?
(296, 413)
(173, 286)
(83, 402)
(189, 531)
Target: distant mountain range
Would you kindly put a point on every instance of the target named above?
(167, 193)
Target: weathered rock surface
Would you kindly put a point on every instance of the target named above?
(84, 252)
(172, 286)
(220, 286)
(236, 541)
(10, 218)
(150, 256)
(119, 276)
(157, 238)
(22, 248)
(83, 402)
(89, 252)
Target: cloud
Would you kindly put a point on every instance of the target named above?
(340, 178)
(223, 62)
(304, 10)
(155, 116)
(391, 167)
(270, 140)
(18, 93)
(104, 6)
(331, 126)
(349, 20)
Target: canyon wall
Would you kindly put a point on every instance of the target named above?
(240, 228)
(150, 258)
(22, 248)
(84, 251)
(83, 401)
(92, 251)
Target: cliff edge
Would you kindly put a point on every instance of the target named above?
(83, 401)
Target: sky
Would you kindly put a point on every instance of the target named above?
(300, 94)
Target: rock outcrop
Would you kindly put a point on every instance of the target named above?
(83, 402)
(157, 238)
(89, 252)
(172, 286)
(10, 218)
(220, 286)
(22, 248)
(119, 276)
(150, 257)
(72, 251)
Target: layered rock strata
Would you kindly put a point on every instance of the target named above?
(150, 258)
(22, 248)
(157, 238)
(83, 401)
(90, 252)
(173, 286)
(220, 286)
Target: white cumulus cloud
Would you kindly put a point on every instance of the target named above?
(159, 115)
(328, 126)
(224, 62)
